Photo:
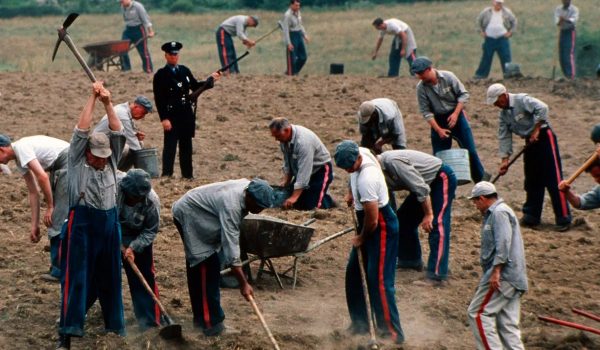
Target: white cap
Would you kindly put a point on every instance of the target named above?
(493, 92)
(482, 188)
(500, 1)
(365, 111)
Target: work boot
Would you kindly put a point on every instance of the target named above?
(49, 278)
(64, 342)
(528, 221)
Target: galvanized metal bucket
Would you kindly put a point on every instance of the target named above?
(147, 159)
(458, 160)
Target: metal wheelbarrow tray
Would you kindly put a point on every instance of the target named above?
(106, 52)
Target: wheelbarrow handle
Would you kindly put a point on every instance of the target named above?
(586, 314)
(570, 324)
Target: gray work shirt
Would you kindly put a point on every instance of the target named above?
(508, 19)
(570, 15)
(136, 15)
(410, 170)
(591, 199)
(389, 125)
(303, 155)
(292, 22)
(502, 244)
(129, 128)
(523, 114)
(443, 97)
(140, 222)
(236, 26)
(211, 216)
(97, 186)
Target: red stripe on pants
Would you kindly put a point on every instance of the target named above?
(147, 69)
(206, 312)
(322, 194)
(486, 300)
(440, 223)
(563, 199)
(289, 61)
(380, 280)
(224, 49)
(66, 272)
(572, 54)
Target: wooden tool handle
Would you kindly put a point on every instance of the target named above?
(263, 322)
(582, 168)
(146, 285)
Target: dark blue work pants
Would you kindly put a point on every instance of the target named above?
(296, 58)
(226, 50)
(566, 50)
(490, 46)
(380, 252)
(91, 269)
(134, 34)
(410, 216)
(461, 132)
(316, 196)
(394, 60)
(55, 256)
(146, 311)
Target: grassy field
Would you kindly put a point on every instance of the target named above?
(444, 31)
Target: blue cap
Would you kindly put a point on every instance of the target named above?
(420, 64)
(346, 154)
(261, 192)
(4, 140)
(596, 133)
(144, 102)
(136, 183)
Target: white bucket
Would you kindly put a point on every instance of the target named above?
(458, 160)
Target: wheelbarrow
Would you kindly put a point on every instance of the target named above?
(267, 238)
(106, 54)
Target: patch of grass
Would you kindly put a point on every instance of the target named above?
(445, 31)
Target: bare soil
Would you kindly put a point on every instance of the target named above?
(233, 142)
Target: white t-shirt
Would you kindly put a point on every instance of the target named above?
(368, 183)
(495, 28)
(394, 27)
(43, 148)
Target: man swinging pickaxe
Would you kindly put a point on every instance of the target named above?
(64, 36)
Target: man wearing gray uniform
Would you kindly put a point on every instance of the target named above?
(138, 29)
(42, 161)
(565, 17)
(432, 185)
(139, 216)
(128, 112)
(494, 311)
(294, 38)
(208, 219)
(380, 122)
(234, 26)
(306, 165)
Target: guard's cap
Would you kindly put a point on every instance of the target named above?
(346, 154)
(365, 111)
(144, 102)
(136, 183)
(420, 64)
(99, 145)
(261, 192)
(171, 47)
(596, 133)
(255, 18)
(493, 92)
(482, 188)
(4, 140)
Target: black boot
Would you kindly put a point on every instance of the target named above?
(64, 342)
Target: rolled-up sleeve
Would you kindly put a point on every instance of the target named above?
(462, 95)
(502, 236)
(144, 15)
(591, 199)
(424, 103)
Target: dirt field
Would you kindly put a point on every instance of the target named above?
(234, 142)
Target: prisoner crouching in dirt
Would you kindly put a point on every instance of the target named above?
(442, 97)
(172, 86)
(432, 185)
(494, 311)
(128, 113)
(208, 219)
(233, 26)
(294, 38)
(91, 240)
(403, 45)
(589, 200)
(139, 217)
(527, 117)
(306, 165)
(138, 29)
(565, 17)
(42, 161)
(376, 239)
(380, 122)
(496, 24)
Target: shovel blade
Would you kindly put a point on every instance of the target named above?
(171, 331)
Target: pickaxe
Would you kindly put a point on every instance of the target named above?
(64, 36)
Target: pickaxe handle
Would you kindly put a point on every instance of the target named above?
(67, 39)
(582, 168)
(269, 33)
(520, 153)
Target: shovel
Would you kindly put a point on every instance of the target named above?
(172, 330)
(520, 153)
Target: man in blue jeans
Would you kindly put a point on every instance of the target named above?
(441, 98)
(496, 25)
(138, 29)
(294, 37)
